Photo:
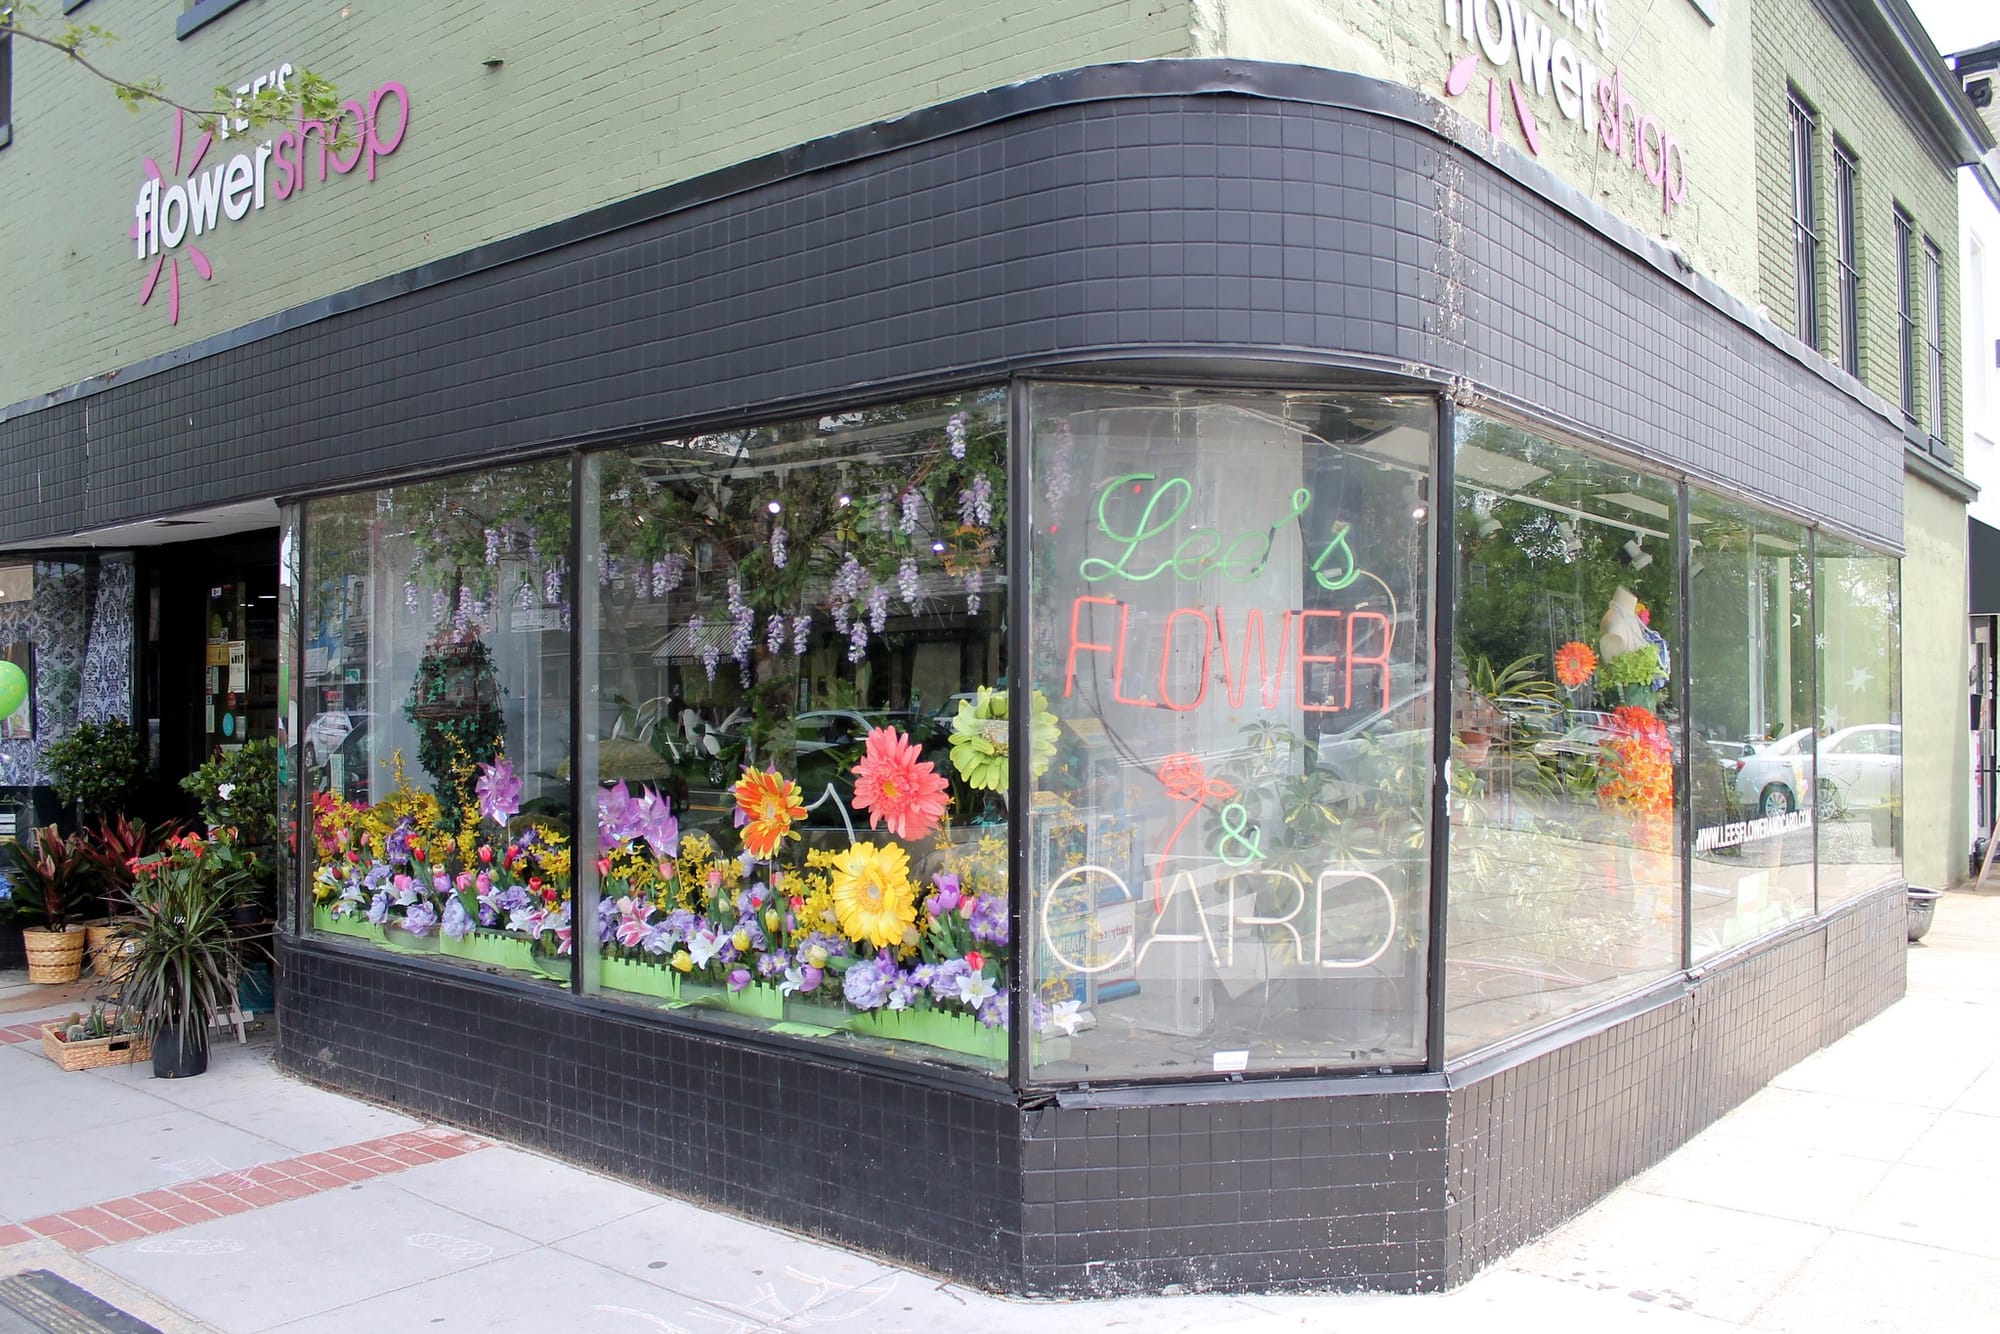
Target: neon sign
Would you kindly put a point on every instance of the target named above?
(1202, 551)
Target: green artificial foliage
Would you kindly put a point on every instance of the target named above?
(96, 766)
(454, 705)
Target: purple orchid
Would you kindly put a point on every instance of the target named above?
(617, 816)
(499, 791)
(653, 820)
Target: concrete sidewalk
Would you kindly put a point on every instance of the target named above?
(1860, 1192)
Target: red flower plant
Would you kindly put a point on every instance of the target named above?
(897, 786)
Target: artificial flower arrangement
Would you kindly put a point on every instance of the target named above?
(401, 865)
(853, 938)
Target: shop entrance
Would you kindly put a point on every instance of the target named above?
(208, 654)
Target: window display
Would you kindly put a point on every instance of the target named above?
(435, 701)
(1751, 765)
(1228, 847)
(808, 767)
(1859, 752)
(798, 690)
(1565, 883)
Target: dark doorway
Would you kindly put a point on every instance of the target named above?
(208, 654)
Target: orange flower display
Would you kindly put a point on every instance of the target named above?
(766, 805)
(1575, 661)
(1642, 724)
(897, 786)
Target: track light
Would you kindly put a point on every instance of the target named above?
(1635, 555)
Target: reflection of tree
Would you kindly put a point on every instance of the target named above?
(766, 537)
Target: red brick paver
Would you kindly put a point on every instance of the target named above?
(128, 1217)
(22, 1032)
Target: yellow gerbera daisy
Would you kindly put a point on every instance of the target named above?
(872, 894)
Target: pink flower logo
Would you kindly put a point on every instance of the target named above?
(163, 261)
(1460, 75)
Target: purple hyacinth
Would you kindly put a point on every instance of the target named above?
(866, 983)
(989, 919)
(778, 546)
(492, 546)
(457, 921)
(774, 634)
(906, 522)
(420, 919)
(906, 581)
(878, 607)
(954, 430)
(801, 629)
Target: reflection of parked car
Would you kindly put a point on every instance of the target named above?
(1775, 777)
(1861, 766)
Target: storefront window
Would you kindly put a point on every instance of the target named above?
(435, 701)
(1565, 875)
(1230, 733)
(1859, 792)
(797, 688)
(1750, 625)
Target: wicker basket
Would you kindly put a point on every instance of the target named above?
(90, 1053)
(103, 948)
(54, 956)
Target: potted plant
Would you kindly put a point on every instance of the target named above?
(95, 767)
(184, 961)
(52, 880)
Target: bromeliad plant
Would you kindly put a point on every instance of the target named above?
(53, 880)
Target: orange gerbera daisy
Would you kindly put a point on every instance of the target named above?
(1575, 661)
(897, 786)
(766, 805)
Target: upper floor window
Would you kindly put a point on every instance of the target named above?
(1906, 314)
(6, 90)
(1805, 225)
(1847, 267)
(1934, 342)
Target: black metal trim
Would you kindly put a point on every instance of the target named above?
(1444, 593)
(1020, 706)
(195, 17)
(1684, 700)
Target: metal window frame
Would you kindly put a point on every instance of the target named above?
(1847, 266)
(1934, 343)
(6, 89)
(1906, 314)
(1805, 223)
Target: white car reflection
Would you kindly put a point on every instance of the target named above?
(1858, 767)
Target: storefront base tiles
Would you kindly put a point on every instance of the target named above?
(1402, 1183)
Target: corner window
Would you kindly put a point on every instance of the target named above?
(1230, 731)
(1906, 314)
(1805, 225)
(1847, 267)
(1750, 764)
(1565, 865)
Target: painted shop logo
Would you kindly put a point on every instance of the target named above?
(201, 193)
(1536, 55)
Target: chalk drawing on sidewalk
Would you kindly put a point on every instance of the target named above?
(188, 1246)
(451, 1248)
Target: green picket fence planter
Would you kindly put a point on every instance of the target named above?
(502, 949)
(350, 925)
(757, 1001)
(640, 979)
(396, 938)
(933, 1028)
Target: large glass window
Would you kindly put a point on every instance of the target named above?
(797, 695)
(1230, 697)
(1858, 791)
(1565, 882)
(435, 703)
(1750, 629)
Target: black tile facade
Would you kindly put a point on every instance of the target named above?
(1404, 1183)
(1184, 207)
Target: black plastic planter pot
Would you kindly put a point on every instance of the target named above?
(174, 1058)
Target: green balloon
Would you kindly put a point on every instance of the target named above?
(13, 688)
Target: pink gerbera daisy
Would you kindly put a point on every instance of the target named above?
(897, 786)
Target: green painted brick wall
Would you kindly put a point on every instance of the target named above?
(1794, 47)
(596, 101)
